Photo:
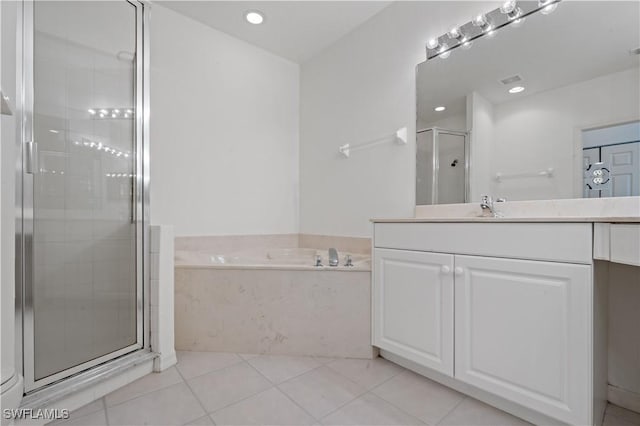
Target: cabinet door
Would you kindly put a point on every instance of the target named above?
(413, 306)
(523, 332)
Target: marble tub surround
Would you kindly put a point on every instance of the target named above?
(283, 259)
(222, 243)
(621, 209)
(291, 312)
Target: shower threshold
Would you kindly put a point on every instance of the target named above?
(57, 391)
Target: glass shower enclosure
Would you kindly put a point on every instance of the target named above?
(442, 164)
(84, 187)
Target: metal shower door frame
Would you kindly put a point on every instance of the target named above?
(25, 203)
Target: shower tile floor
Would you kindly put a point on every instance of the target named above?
(207, 388)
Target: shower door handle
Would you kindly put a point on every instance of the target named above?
(31, 158)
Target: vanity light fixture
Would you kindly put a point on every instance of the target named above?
(439, 108)
(511, 12)
(254, 17)
(516, 89)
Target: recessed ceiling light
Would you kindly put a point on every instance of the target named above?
(254, 17)
(54, 131)
(516, 89)
(440, 108)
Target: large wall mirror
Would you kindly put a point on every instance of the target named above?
(548, 108)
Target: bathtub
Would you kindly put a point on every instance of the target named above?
(276, 258)
(274, 301)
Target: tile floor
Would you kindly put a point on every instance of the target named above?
(207, 388)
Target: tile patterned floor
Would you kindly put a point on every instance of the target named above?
(207, 388)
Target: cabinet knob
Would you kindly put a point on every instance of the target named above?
(458, 270)
(445, 269)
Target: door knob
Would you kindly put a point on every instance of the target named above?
(458, 270)
(445, 269)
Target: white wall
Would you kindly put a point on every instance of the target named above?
(543, 131)
(451, 122)
(480, 121)
(224, 132)
(359, 89)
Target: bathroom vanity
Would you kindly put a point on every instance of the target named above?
(509, 311)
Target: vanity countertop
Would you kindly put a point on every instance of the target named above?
(563, 219)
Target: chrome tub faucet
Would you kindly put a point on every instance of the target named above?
(333, 257)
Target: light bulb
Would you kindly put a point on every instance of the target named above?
(433, 43)
(254, 17)
(514, 14)
(480, 20)
(444, 51)
(508, 6)
(455, 33)
(518, 22)
(92, 111)
(548, 6)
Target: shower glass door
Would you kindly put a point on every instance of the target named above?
(83, 246)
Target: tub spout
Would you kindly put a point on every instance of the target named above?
(333, 257)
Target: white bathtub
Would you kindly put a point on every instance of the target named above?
(276, 258)
(273, 301)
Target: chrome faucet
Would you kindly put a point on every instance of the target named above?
(318, 261)
(333, 257)
(348, 261)
(487, 205)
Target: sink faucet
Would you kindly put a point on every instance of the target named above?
(333, 257)
(487, 205)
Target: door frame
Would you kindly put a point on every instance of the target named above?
(578, 174)
(25, 192)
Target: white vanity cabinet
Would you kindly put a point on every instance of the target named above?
(506, 308)
(523, 332)
(414, 306)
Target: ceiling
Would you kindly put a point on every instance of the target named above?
(581, 40)
(296, 30)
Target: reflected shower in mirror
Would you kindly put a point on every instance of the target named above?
(550, 109)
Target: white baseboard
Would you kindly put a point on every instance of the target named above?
(164, 361)
(624, 398)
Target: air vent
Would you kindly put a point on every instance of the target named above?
(510, 80)
(635, 51)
